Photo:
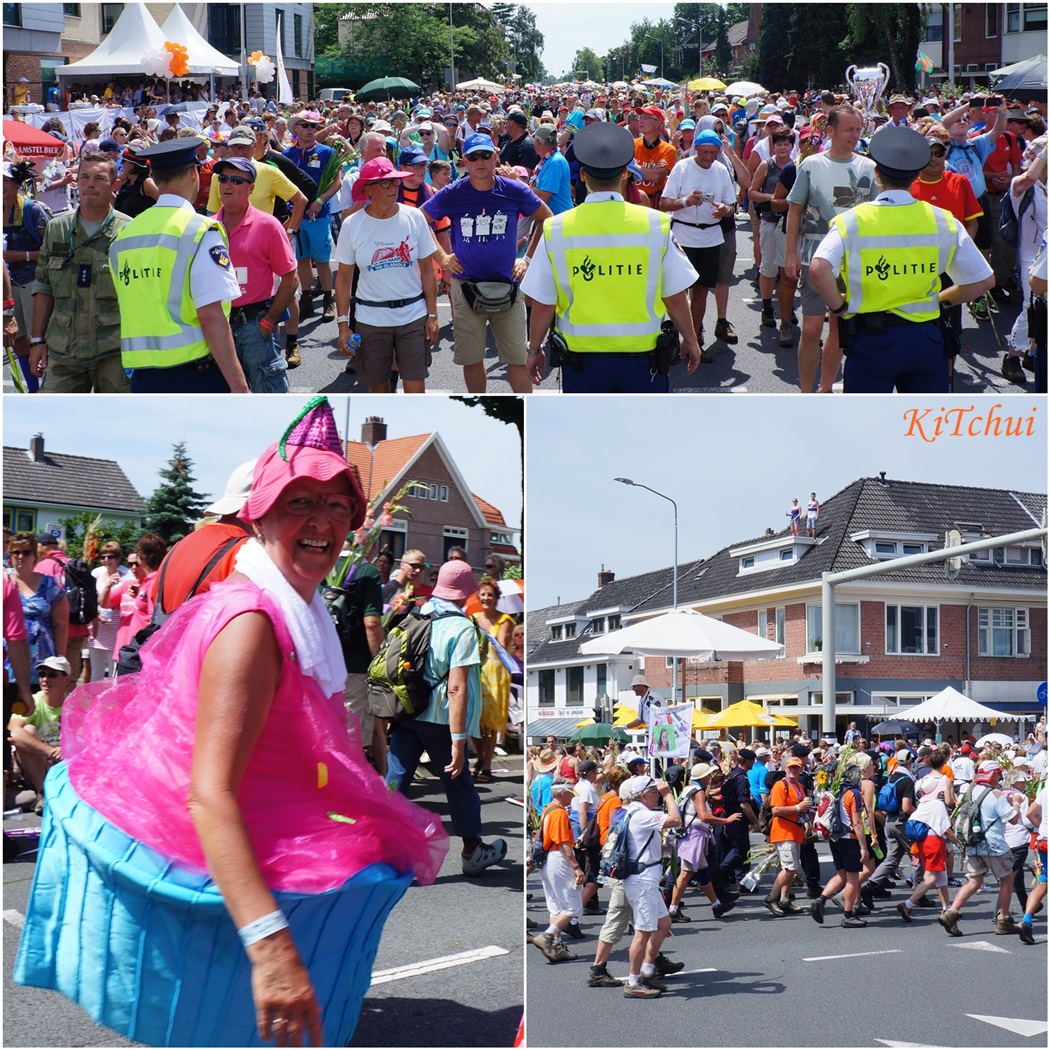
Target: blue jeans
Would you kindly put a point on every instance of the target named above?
(613, 374)
(408, 741)
(264, 365)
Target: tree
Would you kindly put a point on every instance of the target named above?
(77, 526)
(817, 51)
(773, 36)
(326, 27)
(524, 40)
(587, 61)
(723, 52)
(886, 33)
(175, 505)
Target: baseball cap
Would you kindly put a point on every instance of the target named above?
(242, 164)
(903, 756)
(588, 766)
(651, 111)
(707, 138)
(238, 485)
(635, 785)
(241, 135)
(794, 760)
(687, 125)
(594, 114)
(56, 663)
(477, 143)
(411, 156)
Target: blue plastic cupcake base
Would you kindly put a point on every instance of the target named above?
(148, 949)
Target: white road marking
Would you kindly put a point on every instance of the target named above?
(984, 946)
(852, 955)
(714, 390)
(15, 918)
(1017, 1025)
(444, 962)
(686, 973)
(895, 1042)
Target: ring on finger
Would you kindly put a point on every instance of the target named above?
(280, 1022)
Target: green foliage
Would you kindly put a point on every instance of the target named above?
(524, 40)
(326, 27)
(587, 63)
(723, 52)
(175, 505)
(126, 533)
(879, 35)
(773, 44)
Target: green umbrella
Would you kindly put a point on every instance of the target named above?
(599, 733)
(386, 88)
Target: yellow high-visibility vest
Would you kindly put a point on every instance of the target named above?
(894, 257)
(606, 257)
(150, 260)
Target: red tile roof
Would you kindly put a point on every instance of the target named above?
(492, 514)
(375, 471)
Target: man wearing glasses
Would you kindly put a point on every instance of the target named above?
(37, 737)
(484, 209)
(405, 582)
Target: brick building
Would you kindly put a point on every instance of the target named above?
(445, 513)
(900, 637)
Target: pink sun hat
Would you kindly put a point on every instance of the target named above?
(373, 171)
(310, 448)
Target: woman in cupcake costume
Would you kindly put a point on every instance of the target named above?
(217, 856)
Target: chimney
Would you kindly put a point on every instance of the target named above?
(373, 430)
(605, 576)
(882, 479)
(36, 448)
(769, 531)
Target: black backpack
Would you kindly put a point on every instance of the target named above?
(1010, 221)
(343, 607)
(81, 590)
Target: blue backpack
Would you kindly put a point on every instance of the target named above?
(889, 800)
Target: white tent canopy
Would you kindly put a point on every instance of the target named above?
(203, 58)
(948, 705)
(481, 84)
(134, 33)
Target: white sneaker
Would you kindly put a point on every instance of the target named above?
(484, 855)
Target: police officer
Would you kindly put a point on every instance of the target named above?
(175, 284)
(890, 253)
(603, 268)
(76, 322)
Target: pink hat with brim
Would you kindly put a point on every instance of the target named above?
(455, 582)
(374, 170)
(310, 449)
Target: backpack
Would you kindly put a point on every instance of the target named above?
(342, 607)
(839, 830)
(397, 687)
(1009, 221)
(916, 830)
(537, 854)
(968, 827)
(81, 590)
(128, 659)
(615, 863)
(765, 812)
(888, 800)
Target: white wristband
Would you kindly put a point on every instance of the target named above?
(458, 736)
(264, 927)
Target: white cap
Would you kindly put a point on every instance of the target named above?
(238, 486)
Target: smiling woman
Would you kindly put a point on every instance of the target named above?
(253, 833)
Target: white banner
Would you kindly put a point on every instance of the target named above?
(75, 119)
(284, 87)
(648, 69)
(669, 736)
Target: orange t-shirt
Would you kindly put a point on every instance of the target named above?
(786, 829)
(609, 804)
(662, 151)
(556, 827)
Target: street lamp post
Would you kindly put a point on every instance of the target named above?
(674, 581)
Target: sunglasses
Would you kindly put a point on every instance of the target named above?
(21, 552)
(111, 557)
(51, 674)
(427, 134)
(416, 566)
(133, 564)
(937, 151)
(486, 154)
(237, 180)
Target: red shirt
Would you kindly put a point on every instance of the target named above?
(259, 249)
(53, 565)
(1006, 157)
(954, 193)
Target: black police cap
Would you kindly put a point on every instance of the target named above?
(900, 152)
(603, 149)
(175, 153)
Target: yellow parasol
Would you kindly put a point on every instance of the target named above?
(744, 713)
(706, 84)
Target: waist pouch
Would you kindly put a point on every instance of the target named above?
(490, 297)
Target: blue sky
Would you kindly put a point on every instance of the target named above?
(733, 465)
(222, 432)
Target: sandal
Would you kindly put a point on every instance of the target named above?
(483, 777)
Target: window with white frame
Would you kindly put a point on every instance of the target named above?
(601, 678)
(763, 622)
(573, 686)
(570, 630)
(1025, 18)
(444, 493)
(912, 629)
(453, 536)
(547, 687)
(614, 622)
(434, 491)
(781, 624)
(991, 20)
(935, 22)
(1003, 632)
(556, 632)
(847, 629)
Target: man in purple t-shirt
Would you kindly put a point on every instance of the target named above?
(484, 209)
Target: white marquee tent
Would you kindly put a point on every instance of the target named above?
(134, 33)
(202, 56)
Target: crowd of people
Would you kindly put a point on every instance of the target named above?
(901, 818)
(451, 194)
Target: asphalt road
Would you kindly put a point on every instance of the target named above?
(756, 364)
(448, 971)
(752, 979)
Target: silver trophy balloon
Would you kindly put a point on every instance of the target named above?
(867, 85)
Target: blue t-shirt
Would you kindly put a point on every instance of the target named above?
(313, 162)
(968, 159)
(484, 224)
(553, 177)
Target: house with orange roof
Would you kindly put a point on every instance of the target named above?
(444, 511)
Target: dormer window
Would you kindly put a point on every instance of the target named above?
(772, 553)
(556, 632)
(882, 545)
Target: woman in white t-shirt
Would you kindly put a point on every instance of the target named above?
(396, 293)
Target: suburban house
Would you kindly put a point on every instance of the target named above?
(40, 487)
(901, 636)
(444, 513)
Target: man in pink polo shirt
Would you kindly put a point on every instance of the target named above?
(259, 249)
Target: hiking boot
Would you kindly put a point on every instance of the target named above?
(599, 977)
(724, 331)
(573, 930)
(484, 855)
(838, 901)
(816, 909)
(950, 921)
(813, 892)
(546, 944)
(768, 320)
(1028, 361)
(851, 922)
(327, 307)
(665, 968)
(654, 982)
(786, 334)
(706, 358)
(925, 902)
(1013, 371)
(680, 916)
(875, 890)
(1024, 931)
(292, 355)
(861, 909)
(640, 991)
(775, 907)
(904, 912)
(531, 924)
(306, 305)
(1004, 924)
(979, 309)
(592, 907)
(562, 953)
(788, 908)
(867, 897)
